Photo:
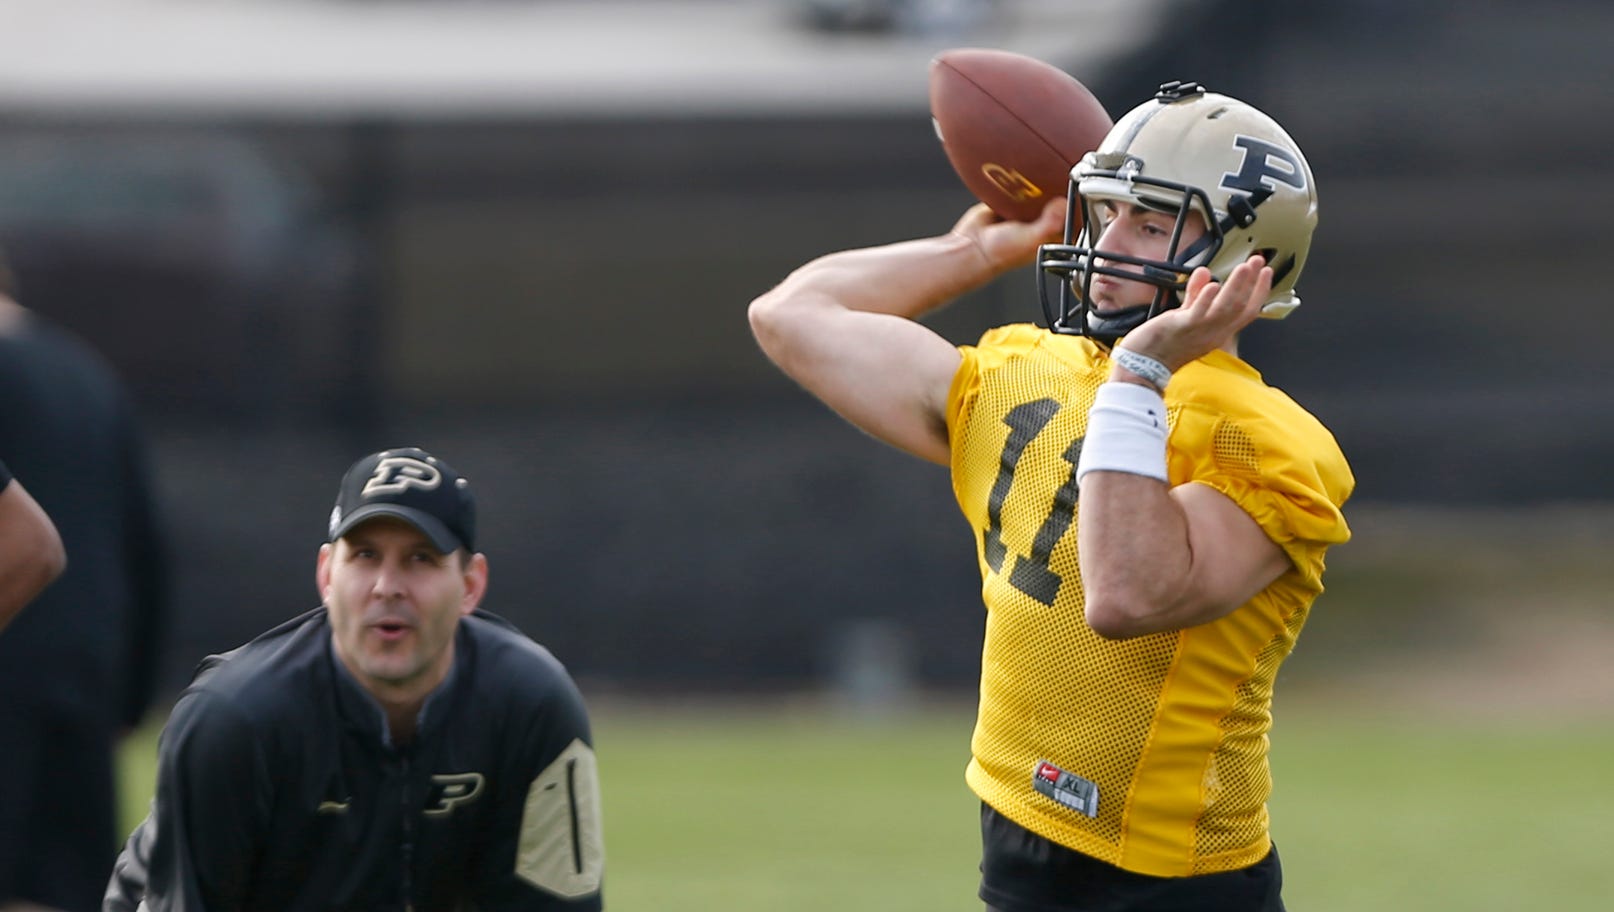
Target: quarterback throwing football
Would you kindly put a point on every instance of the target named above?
(1150, 517)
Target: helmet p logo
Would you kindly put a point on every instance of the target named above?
(1265, 166)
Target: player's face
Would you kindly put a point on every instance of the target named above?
(1137, 231)
(395, 602)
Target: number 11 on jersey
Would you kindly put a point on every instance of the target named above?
(1030, 573)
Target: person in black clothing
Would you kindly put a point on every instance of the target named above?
(78, 667)
(31, 553)
(397, 748)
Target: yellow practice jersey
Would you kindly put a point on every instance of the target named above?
(1148, 753)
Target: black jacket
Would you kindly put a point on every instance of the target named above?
(277, 789)
(87, 647)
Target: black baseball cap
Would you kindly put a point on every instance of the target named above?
(410, 484)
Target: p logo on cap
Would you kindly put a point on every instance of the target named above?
(409, 484)
(395, 474)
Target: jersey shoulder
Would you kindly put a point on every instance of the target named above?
(1246, 420)
(1224, 385)
(1001, 343)
(1234, 432)
(1043, 363)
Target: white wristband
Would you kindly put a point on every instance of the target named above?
(1126, 432)
(1144, 366)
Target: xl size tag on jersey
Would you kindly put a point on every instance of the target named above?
(1069, 789)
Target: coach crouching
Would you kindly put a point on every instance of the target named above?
(396, 748)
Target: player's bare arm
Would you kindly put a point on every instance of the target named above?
(31, 548)
(1157, 558)
(844, 325)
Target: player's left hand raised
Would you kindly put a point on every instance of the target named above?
(1212, 313)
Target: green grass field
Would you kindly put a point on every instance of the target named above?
(795, 808)
(1444, 742)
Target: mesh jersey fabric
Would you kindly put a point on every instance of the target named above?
(1170, 728)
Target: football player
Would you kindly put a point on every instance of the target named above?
(1150, 516)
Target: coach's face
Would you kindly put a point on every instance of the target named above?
(395, 602)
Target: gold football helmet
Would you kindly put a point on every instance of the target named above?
(1185, 150)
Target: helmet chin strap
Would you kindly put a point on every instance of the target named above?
(1107, 328)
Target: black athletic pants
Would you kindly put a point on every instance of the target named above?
(1023, 872)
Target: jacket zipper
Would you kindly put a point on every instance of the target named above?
(408, 838)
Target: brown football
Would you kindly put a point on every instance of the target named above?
(1012, 126)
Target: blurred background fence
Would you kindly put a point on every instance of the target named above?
(523, 235)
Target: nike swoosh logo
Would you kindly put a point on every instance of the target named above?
(333, 807)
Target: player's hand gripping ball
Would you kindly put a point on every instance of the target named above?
(1012, 126)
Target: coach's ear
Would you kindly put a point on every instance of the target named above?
(476, 582)
(322, 573)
